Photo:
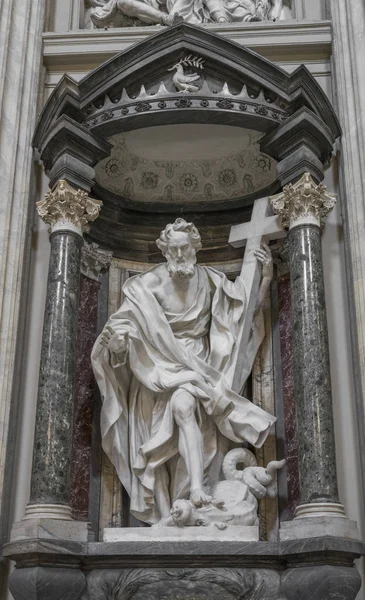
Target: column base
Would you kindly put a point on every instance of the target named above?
(49, 521)
(61, 512)
(320, 509)
(318, 526)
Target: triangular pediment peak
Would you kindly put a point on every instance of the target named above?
(152, 57)
(186, 74)
(146, 65)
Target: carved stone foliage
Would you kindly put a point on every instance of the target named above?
(67, 208)
(182, 584)
(304, 202)
(94, 261)
(139, 177)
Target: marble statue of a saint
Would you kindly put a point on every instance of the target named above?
(164, 364)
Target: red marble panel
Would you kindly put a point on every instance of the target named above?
(286, 346)
(83, 404)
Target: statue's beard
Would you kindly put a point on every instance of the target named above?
(177, 269)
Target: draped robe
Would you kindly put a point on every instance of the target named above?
(196, 351)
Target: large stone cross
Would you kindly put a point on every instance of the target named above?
(263, 227)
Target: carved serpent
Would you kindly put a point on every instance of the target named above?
(257, 478)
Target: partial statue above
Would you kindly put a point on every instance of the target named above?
(173, 421)
(117, 13)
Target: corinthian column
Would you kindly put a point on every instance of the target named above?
(68, 212)
(302, 207)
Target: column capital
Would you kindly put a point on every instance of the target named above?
(303, 203)
(94, 261)
(67, 208)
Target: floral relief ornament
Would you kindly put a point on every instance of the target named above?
(188, 182)
(67, 208)
(303, 202)
(149, 180)
(227, 178)
(114, 168)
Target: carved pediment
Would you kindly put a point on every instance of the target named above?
(235, 84)
(223, 106)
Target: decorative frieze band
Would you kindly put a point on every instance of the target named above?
(303, 203)
(67, 208)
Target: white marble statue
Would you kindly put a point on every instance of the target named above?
(164, 364)
(165, 12)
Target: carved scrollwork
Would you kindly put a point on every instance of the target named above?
(94, 261)
(183, 584)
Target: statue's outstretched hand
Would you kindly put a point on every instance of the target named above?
(264, 257)
(115, 342)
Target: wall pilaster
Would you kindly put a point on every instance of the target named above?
(349, 84)
(21, 27)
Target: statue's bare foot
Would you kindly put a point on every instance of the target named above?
(199, 498)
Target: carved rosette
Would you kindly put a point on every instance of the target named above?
(67, 208)
(94, 261)
(303, 203)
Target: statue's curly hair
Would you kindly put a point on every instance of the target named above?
(179, 225)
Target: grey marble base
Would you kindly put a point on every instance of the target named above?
(53, 529)
(317, 526)
(307, 569)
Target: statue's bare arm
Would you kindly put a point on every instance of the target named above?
(264, 257)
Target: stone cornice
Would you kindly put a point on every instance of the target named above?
(272, 40)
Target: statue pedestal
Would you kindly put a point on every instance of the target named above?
(306, 569)
(172, 534)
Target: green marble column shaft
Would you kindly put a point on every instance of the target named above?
(53, 434)
(312, 382)
(302, 207)
(68, 212)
